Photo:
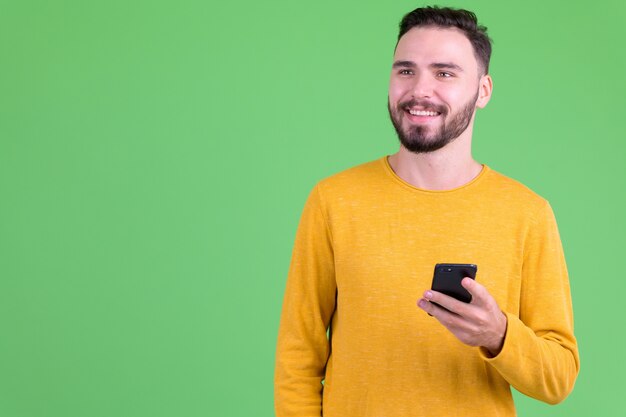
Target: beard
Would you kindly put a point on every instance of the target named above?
(417, 139)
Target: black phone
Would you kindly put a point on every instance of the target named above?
(447, 280)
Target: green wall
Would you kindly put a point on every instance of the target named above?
(155, 157)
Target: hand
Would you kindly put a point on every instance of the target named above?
(479, 323)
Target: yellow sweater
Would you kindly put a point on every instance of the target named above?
(364, 253)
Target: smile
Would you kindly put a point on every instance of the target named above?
(423, 113)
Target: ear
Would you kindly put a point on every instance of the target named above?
(485, 87)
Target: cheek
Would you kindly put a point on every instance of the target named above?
(466, 93)
(450, 91)
(396, 92)
(454, 97)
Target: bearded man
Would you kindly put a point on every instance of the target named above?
(361, 332)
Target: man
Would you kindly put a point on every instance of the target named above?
(369, 238)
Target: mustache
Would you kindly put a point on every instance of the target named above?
(425, 104)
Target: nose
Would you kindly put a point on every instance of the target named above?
(422, 86)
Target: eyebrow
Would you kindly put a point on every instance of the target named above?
(446, 65)
(437, 65)
(404, 64)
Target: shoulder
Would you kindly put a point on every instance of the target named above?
(358, 177)
(512, 192)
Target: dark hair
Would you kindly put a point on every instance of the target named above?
(446, 17)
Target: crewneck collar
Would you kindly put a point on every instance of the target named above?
(474, 182)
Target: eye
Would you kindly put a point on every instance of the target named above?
(444, 74)
(405, 72)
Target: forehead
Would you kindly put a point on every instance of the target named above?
(425, 45)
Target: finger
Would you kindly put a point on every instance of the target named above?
(447, 302)
(424, 305)
(479, 293)
(430, 308)
(447, 318)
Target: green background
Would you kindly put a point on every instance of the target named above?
(155, 157)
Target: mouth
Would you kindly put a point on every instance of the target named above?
(421, 115)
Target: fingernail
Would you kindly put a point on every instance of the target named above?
(428, 295)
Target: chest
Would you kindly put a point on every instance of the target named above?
(389, 252)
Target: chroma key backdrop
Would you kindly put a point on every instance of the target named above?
(155, 157)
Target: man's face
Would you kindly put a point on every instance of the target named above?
(435, 87)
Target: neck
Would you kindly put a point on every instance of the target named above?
(447, 168)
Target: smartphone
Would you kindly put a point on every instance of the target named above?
(447, 280)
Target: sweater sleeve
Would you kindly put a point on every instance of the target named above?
(309, 302)
(539, 356)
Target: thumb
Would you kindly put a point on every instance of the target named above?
(479, 293)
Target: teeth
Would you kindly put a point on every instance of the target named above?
(423, 113)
